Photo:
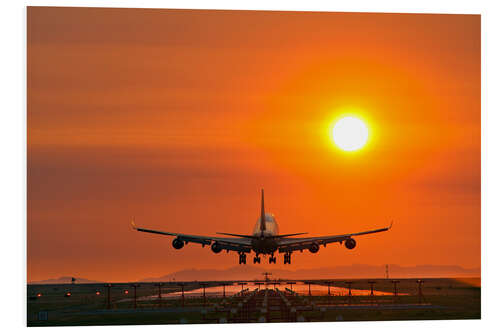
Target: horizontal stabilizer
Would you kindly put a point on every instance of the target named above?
(289, 235)
(236, 235)
(256, 237)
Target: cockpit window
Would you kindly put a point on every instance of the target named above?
(269, 217)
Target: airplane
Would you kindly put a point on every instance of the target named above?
(264, 240)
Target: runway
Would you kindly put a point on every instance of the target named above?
(251, 301)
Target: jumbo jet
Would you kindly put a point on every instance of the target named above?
(264, 240)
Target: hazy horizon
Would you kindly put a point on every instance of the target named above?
(255, 272)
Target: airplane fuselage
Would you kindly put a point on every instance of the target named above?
(265, 243)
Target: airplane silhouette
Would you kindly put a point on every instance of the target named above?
(264, 240)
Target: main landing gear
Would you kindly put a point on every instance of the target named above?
(243, 258)
(287, 258)
(272, 260)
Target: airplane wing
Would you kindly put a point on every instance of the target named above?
(229, 244)
(299, 244)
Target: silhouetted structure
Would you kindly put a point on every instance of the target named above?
(372, 295)
(266, 276)
(371, 287)
(204, 285)
(224, 289)
(329, 283)
(159, 284)
(108, 286)
(182, 292)
(135, 285)
(309, 287)
(349, 284)
(420, 293)
(395, 282)
(242, 284)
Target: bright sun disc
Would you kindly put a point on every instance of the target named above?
(350, 133)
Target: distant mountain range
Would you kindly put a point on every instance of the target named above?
(249, 272)
(64, 279)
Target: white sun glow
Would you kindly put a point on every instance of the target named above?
(350, 133)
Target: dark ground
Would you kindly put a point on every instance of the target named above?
(442, 299)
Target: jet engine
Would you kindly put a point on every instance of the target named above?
(350, 243)
(313, 248)
(216, 247)
(177, 244)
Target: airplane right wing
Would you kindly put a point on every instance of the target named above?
(221, 243)
(299, 244)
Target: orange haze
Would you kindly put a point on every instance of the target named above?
(179, 117)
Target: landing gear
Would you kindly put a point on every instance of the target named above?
(287, 259)
(272, 260)
(256, 260)
(243, 258)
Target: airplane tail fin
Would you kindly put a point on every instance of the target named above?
(262, 213)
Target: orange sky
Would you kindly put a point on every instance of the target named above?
(179, 117)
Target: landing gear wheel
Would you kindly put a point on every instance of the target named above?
(243, 259)
(272, 260)
(287, 259)
(256, 260)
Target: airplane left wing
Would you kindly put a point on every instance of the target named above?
(229, 244)
(295, 244)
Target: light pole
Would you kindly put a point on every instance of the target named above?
(159, 284)
(135, 285)
(182, 291)
(349, 284)
(372, 295)
(108, 286)
(224, 289)
(395, 282)
(420, 293)
(204, 285)
(328, 283)
(242, 284)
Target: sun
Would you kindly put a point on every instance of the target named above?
(349, 133)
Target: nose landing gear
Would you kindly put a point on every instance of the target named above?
(243, 258)
(287, 258)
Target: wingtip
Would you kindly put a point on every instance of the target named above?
(133, 224)
(390, 225)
